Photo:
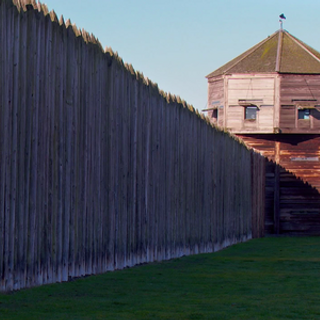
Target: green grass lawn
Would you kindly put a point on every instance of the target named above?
(269, 278)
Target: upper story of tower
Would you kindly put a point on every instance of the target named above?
(274, 87)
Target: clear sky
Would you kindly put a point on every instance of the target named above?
(176, 43)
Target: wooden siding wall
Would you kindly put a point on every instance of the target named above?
(238, 124)
(287, 92)
(289, 122)
(216, 99)
(288, 116)
(230, 89)
(98, 169)
(294, 86)
(250, 87)
(293, 186)
(299, 87)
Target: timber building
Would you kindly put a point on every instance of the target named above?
(269, 96)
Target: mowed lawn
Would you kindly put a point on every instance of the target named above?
(269, 278)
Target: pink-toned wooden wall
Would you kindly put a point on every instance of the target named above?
(293, 184)
(282, 97)
(292, 89)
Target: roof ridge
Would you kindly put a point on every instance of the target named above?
(279, 47)
(302, 45)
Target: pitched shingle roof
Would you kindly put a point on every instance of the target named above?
(281, 52)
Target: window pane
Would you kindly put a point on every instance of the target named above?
(251, 113)
(304, 114)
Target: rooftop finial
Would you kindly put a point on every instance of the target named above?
(282, 17)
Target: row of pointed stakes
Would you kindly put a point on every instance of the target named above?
(26, 5)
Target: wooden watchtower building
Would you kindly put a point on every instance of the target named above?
(269, 96)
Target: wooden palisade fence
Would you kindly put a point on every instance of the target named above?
(99, 169)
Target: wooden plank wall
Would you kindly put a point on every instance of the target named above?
(216, 99)
(295, 86)
(99, 170)
(230, 89)
(259, 196)
(250, 87)
(299, 87)
(292, 203)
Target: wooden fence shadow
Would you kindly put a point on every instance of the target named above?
(292, 205)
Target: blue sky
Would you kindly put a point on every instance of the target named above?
(176, 43)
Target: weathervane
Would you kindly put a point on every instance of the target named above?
(282, 17)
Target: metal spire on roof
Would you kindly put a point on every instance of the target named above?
(282, 17)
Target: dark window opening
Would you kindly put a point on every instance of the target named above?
(215, 114)
(304, 114)
(250, 113)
